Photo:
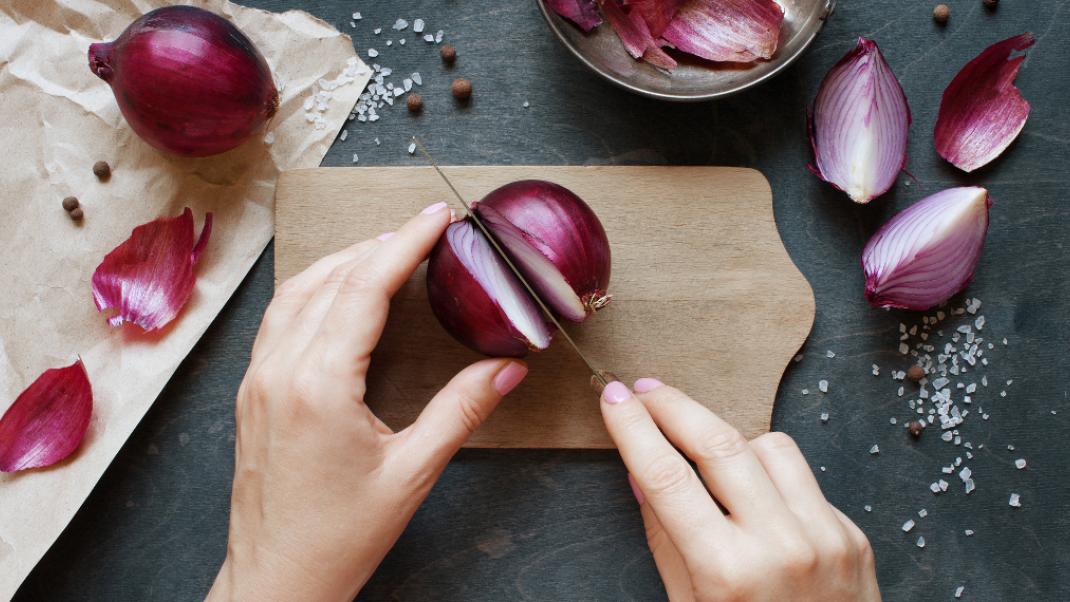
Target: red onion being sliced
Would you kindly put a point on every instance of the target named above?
(187, 81)
(982, 111)
(927, 253)
(478, 299)
(859, 125)
(48, 420)
(555, 240)
(734, 31)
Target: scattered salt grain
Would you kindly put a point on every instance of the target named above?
(904, 348)
(389, 42)
(959, 590)
(822, 469)
(934, 487)
(830, 354)
(824, 417)
(401, 41)
(372, 53)
(1019, 463)
(526, 104)
(356, 16)
(823, 386)
(875, 449)
(377, 30)
(418, 26)
(907, 526)
(798, 358)
(416, 79)
(892, 420)
(806, 391)
(412, 148)
(355, 158)
(344, 135)
(400, 25)
(968, 532)
(429, 38)
(923, 513)
(965, 474)
(943, 485)
(1002, 393)
(947, 436)
(438, 36)
(1015, 500)
(867, 508)
(921, 542)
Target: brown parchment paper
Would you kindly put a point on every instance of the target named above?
(56, 120)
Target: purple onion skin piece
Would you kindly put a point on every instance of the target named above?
(927, 253)
(561, 229)
(472, 293)
(187, 81)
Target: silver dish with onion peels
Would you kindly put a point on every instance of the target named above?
(694, 79)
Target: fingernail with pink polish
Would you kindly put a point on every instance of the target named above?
(434, 208)
(509, 377)
(638, 493)
(645, 385)
(615, 392)
(385, 235)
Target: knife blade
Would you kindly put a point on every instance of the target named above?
(598, 377)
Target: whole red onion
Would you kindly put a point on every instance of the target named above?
(187, 81)
(556, 242)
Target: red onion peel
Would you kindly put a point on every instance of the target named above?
(187, 81)
(48, 420)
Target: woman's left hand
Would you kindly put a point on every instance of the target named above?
(322, 487)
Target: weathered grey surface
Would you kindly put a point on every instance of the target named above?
(562, 525)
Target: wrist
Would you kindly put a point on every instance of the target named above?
(268, 581)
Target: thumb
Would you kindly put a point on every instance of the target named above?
(671, 565)
(460, 407)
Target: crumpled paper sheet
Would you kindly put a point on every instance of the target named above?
(56, 120)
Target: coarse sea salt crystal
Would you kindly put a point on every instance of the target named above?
(968, 532)
(830, 354)
(923, 513)
(416, 79)
(904, 348)
(934, 487)
(356, 16)
(401, 41)
(377, 30)
(400, 24)
(867, 508)
(1015, 500)
(965, 473)
(806, 391)
(823, 386)
(921, 542)
(418, 25)
(372, 53)
(943, 485)
(438, 36)
(355, 158)
(412, 148)
(875, 449)
(892, 420)
(344, 135)
(429, 38)
(1019, 463)
(824, 417)
(526, 104)
(822, 468)
(959, 590)
(907, 526)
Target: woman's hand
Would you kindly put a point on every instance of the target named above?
(751, 525)
(323, 488)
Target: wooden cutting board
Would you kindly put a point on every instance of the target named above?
(704, 295)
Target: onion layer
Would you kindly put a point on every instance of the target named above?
(982, 111)
(48, 420)
(551, 236)
(859, 125)
(927, 253)
(187, 81)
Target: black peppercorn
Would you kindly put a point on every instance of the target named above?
(916, 373)
(102, 170)
(70, 204)
(76, 214)
(415, 103)
(941, 13)
(915, 428)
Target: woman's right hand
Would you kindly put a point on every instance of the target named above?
(752, 524)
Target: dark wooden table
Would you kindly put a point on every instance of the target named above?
(556, 525)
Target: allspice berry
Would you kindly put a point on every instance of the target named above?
(916, 373)
(941, 13)
(415, 103)
(915, 428)
(70, 204)
(991, 4)
(102, 170)
(449, 54)
(76, 214)
(462, 89)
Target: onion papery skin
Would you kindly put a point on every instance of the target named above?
(859, 125)
(927, 253)
(561, 228)
(470, 288)
(187, 81)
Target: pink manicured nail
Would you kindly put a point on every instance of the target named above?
(385, 235)
(645, 385)
(434, 208)
(638, 493)
(509, 377)
(615, 392)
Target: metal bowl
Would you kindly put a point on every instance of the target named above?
(693, 80)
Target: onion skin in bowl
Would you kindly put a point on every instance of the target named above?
(552, 237)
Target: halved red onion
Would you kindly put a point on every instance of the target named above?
(633, 32)
(927, 253)
(555, 240)
(48, 420)
(859, 125)
(187, 80)
(982, 111)
(478, 299)
(734, 31)
(583, 13)
(149, 276)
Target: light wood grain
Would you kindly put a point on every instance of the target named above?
(697, 261)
